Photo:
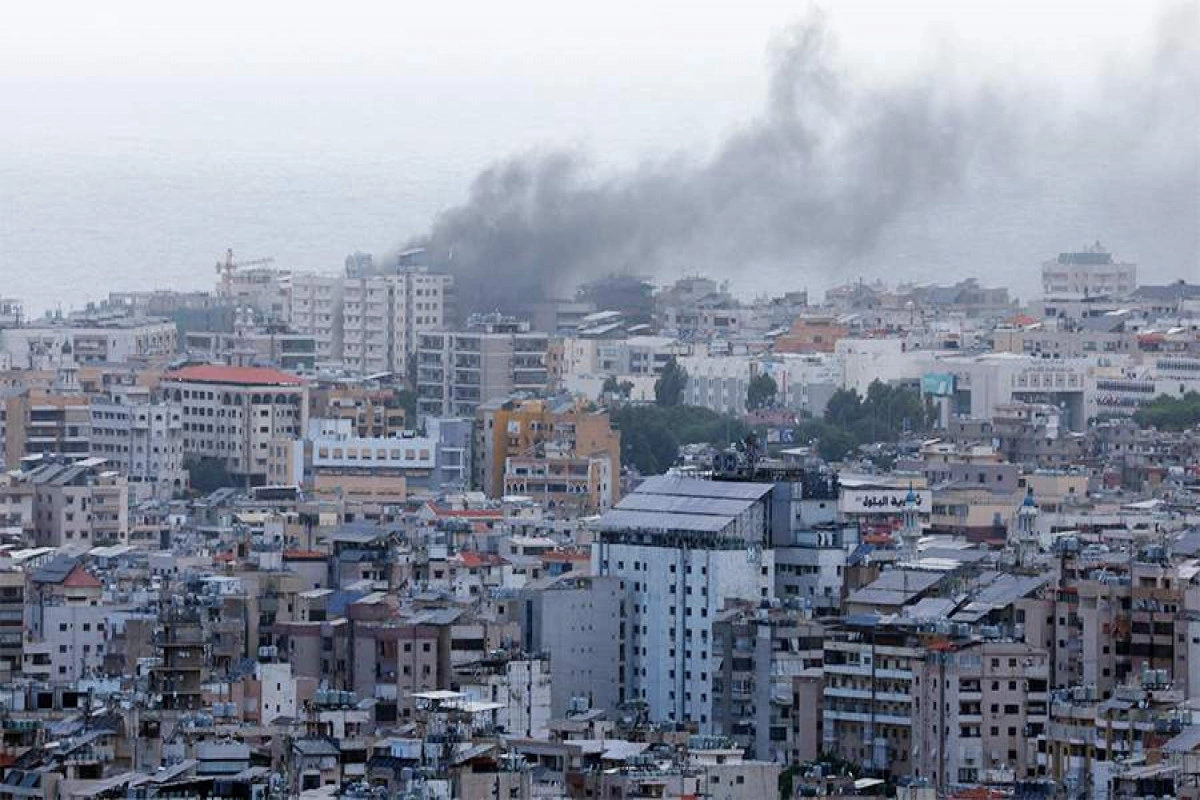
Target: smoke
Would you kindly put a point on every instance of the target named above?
(921, 175)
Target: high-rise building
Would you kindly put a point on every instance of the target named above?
(370, 319)
(493, 358)
(683, 547)
(316, 309)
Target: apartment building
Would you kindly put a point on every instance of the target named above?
(12, 622)
(683, 547)
(249, 344)
(316, 309)
(580, 622)
(1090, 272)
(92, 339)
(759, 652)
(65, 622)
(556, 451)
(142, 438)
(232, 414)
(494, 358)
(80, 503)
(45, 423)
(869, 693)
(371, 412)
(332, 458)
(1132, 619)
(979, 710)
(1088, 739)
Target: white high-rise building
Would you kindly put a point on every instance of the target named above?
(683, 547)
(367, 319)
(316, 309)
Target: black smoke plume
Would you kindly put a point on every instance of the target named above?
(922, 176)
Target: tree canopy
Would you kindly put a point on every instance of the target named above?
(668, 389)
(852, 420)
(1170, 413)
(761, 392)
(652, 435)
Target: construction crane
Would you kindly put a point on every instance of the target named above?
(227, 267)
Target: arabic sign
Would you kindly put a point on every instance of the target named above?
(882, 501)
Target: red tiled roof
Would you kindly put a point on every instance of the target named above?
(566, 555)
(473, 560)
(1022, 320)
(466, 513)
(241, 376)
(305, 555)
(80, 578)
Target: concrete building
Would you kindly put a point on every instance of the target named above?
(232, 414)
(580, 622)
(759, 654)
(869, 671)
(315, 308)
(142, 438)
(683, 547)
(92, 339)
(494, 358)
(979, 713)
(719, 383)
(331, 458)
(78, 504)
(45, 423)
(1090, 272)
(555, 451)
(65, 622)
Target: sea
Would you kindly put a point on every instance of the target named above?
(76, 225)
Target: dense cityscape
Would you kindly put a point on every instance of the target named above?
(344, 535)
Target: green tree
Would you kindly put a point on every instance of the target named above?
(651, 435)
(617, 388)
(761, 392)
(668, 389)
(1170, 413)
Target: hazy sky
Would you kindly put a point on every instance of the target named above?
(140, 138)
(620, 75)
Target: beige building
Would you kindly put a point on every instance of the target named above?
(316, 309)
(78, 504)
(1090, 272)
(979, 712)
(232, 414)
(37, 422)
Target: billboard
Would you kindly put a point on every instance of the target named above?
(881, 500)
(937, 384)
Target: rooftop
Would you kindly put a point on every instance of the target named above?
(240, 376)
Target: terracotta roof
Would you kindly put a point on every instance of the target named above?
(305, 555)
(1022, 320)
(80, 578)
(566, 555)
(242, 376)
(466, 513)
(473, 560)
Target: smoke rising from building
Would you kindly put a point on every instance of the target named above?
(841, 177)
